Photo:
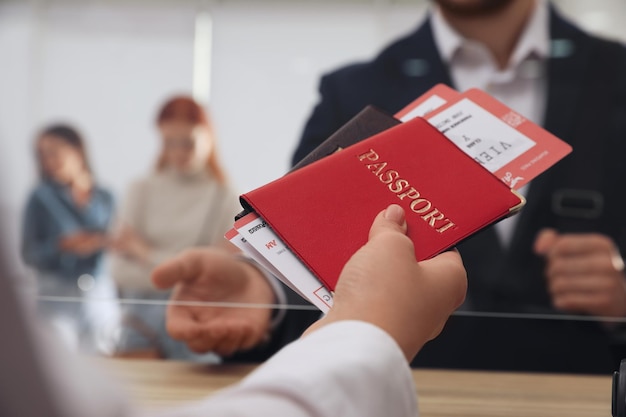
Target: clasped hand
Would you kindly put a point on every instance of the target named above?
(584, 273)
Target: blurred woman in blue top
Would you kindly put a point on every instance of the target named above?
(65, 228)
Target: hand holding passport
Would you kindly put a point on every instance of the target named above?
(453, 161)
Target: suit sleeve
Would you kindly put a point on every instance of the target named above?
(326, 373)
(619, 144)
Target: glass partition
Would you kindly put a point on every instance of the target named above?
(107, 70)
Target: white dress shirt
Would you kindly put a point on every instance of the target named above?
(521, 85)
(348, 369)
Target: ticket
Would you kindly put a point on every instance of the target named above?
(507, 144)
(236, 239)
(262, 238)
(428, 102)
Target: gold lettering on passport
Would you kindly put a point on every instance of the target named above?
(403, 190)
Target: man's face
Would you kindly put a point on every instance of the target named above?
(473, 8)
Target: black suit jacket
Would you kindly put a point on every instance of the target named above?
(586, 106)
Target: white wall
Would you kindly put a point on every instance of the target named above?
(106, 65)
(602, 17)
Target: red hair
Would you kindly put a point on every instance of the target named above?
(186, 109)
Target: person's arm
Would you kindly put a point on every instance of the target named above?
(127, 241)
(354, 361)
(348, 369)
(39, 248)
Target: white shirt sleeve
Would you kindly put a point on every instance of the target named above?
(348, 369)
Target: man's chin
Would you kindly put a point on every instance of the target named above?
(473, 8)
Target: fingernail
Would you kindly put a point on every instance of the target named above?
(395, 213)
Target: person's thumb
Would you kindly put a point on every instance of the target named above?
(390, 219)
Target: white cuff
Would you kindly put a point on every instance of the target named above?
(277, 288)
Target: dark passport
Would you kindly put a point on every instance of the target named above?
(368, 122)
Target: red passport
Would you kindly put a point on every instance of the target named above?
(324, 210)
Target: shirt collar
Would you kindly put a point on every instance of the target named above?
(535, 38)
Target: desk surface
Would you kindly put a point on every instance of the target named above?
(159, 384)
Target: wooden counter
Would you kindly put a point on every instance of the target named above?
(159, 384)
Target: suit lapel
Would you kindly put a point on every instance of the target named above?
(417, 65)
(566, 69)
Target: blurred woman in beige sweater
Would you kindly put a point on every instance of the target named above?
(185, 202)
